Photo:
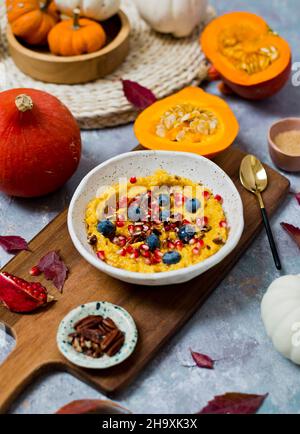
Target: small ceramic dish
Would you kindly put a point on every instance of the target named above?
(119, 315)
(145, 163)
(40, 64)
(289, 163)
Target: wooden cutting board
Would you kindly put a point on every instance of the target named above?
(159, 312)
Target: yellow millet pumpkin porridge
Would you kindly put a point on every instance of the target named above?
(163, 222)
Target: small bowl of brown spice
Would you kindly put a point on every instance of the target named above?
(284, 144)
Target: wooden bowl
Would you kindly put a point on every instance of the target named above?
(40, 64)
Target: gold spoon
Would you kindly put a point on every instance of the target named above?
(255, 179)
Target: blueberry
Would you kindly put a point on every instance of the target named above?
(171, 258)
(135, 213)
(153, 242)
(192, 205)
(164, 215)
(106, 228)
(186, 233)
(164, 200)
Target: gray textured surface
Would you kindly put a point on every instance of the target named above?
(228, 326)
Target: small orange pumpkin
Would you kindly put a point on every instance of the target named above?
(30, 20)
(76, 36)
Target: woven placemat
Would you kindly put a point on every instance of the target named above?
(159, 62)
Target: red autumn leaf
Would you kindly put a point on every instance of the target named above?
(234, 403)
(202, 361)
(293, 231)
(213, 74)
(92, 406)
(298, 197)
(138, 95)
(54, 269)
(12, 244)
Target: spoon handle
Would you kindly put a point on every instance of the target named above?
(271, 238)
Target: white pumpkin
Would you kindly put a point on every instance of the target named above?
(178, 17)
(96, 9)
(280, 310)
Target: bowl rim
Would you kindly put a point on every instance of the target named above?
(153, 277)
(273, 145)
(114, 44)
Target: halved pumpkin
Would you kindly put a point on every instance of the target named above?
(253, 60)
(188, 121)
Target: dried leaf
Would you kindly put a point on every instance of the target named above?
(92, 406)
(298, 197)
(213, 74)
(13, 244)
(293, 231)
(138, 95)
(202, 361)
(234, 403)
(54, 269)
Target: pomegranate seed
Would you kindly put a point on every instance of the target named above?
(131, 229)
(168, 228)
(202, 243)
(202, 221)
(206, 194)
(101, 255)
(171, 245)
(186, 222)
(145, 247)
(219, 198)
(133, 180)
(116, 241)
(223, 224)
(179, 245)
(155, 261)
(35, 271)
(148, 261)
(146, 228)
(129, 249)
(145, 253)
(120, 224)
(192, 241)
(122, 243)
(196, 251)
(135, 254)
(158, 254)
(122, 252)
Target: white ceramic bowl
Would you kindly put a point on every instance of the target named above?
(144, 163)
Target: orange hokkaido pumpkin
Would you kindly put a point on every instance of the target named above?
(32, 20)
(253, 60)
(188, 121)
(76, 36)
(40, 144)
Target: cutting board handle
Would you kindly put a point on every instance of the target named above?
(15, 374)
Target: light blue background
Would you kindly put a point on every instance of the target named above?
(228, 326)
